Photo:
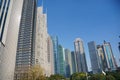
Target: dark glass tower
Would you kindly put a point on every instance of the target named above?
(56, 55)
(25, 57)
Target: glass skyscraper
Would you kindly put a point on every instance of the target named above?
(73, 58)
(102, 59)
(25, 57)
(80, 56)
(55, 52)
(61, 58)
(94, 57)
(109, 56)
(68, 62)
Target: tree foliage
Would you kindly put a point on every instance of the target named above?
(97, 77)
(34, 73)
(56, 77)
(78, 76)
(109, 77)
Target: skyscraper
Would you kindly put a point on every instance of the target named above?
(55, 52)
(73, 58)
(5, 11)
(50, 55)
(41, 53)
(94, 57)
(109, 56)
(68, 62)
(10, 15)
(80, 56)
(25, 57)
(102, 59)
(61, 58)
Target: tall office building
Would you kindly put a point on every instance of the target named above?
(55, 52)
(50, 55)
(5, 11)
(102, 59)
(41, 53)
(73, 58)
(109, 56)
(25, 57)
(80, 56)
(10, 15)
(61, 58)
(68, 62)
(94, 57)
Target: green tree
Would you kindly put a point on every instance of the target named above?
(97, 77)
(34, 73)
(116, 75)
(110, 77)
(56, 77)
(78, 76)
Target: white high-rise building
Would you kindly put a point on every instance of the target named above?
(10, 15)
(41, 48)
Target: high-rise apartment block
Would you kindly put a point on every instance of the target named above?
(81, 65)
(10, 16)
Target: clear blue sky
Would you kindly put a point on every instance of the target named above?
(91, 20)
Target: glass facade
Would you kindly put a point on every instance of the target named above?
(73, 62)
(61, 60)
(25, 48)
(102, 59)
(109, 56)
(94, 57)
(68, 62)
(55, 52)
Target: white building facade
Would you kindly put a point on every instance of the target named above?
(11, 13)
(41, 47)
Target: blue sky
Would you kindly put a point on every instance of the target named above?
(90, 20)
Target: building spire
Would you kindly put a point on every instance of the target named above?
(42, 3)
